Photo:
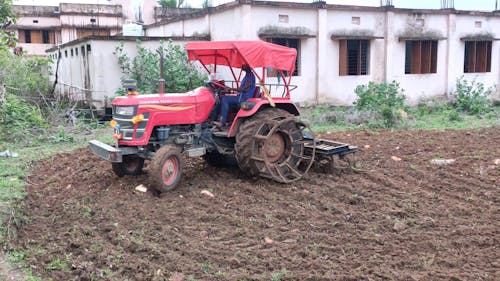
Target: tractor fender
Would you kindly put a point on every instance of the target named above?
(260, 104)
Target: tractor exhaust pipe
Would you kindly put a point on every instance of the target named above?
(162, 86)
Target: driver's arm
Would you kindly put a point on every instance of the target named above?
(243, 88)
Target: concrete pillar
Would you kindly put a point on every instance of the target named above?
(390, 42)
(322, 43)
(451, 56)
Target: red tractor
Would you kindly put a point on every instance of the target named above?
(265, 135)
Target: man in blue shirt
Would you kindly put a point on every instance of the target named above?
(245, 91)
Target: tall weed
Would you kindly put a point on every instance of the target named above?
(473, 97)
(386, 99)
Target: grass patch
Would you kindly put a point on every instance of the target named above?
(448, 120)
(279, 275)
(324, 119)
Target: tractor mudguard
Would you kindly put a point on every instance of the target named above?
(281, 103)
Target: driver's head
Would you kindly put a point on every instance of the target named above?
(246, 67)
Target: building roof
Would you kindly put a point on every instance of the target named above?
(317, 5)
(128, 38)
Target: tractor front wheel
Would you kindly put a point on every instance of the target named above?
(131, 165)
(166, 168)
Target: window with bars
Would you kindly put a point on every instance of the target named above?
(353, 57)
(477, 56)
(27, 37)
(421, 56)
(45, 37)
(288, 42)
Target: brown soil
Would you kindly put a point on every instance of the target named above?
(401, 220)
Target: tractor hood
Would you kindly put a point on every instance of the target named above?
(172, 108)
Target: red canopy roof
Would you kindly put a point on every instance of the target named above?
(236, 53)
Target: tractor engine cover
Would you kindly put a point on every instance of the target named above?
(192, 107)
(172, 109)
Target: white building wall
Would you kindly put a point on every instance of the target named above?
(263, 17)
(340, 89)
(43, 22)
(97, 75)
(173, 29)
(417, 86)
(226, 25)
(196, 27)
(465, 25)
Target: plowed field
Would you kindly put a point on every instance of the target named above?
(398, 218)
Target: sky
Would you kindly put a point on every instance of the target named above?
(486, 5)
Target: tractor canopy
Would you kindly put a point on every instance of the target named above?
(236, 53)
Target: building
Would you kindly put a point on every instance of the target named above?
(340, 47)
(42, 27)
(88, 69)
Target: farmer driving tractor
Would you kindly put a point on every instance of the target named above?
(245, 91)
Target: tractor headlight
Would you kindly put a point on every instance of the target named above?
(124, 110)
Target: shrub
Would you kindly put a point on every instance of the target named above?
(386, 99)
(454, 115)
(24, 76)
(180, 75)
(19, 119)
(472, 97)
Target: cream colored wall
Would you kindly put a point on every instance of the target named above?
(338, 89)
(42, 22)
(100, 66)
(465, 26)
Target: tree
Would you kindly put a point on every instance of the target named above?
(179, 73)
(7, 18)
(206, 4)
(171, 3)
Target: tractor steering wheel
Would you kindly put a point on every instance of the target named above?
(220, 85)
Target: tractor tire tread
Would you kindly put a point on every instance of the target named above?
(244, 138)
(156, 168)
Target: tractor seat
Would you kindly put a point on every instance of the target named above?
(247, 105)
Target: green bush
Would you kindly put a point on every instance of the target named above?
(472, 97)
(454, 115)
(385, 99)
(25, 76)
(180, 75)
(19, 119)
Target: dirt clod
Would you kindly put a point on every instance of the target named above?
(395, 158)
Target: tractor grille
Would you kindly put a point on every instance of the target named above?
(127, 127)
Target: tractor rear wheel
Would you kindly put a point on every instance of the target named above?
(271, 144)
(166, 168)
(131, 165)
